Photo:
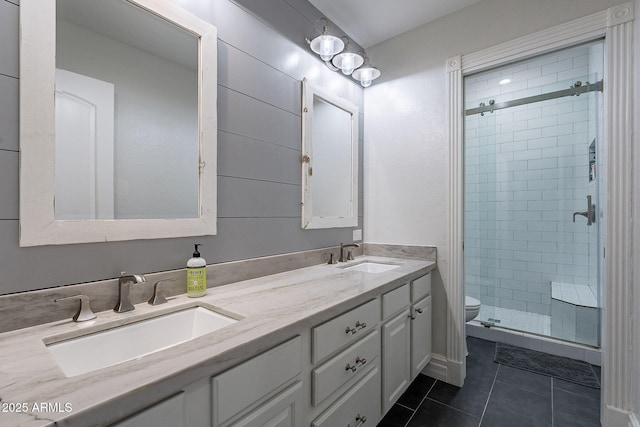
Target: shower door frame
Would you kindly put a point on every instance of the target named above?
(616, 26)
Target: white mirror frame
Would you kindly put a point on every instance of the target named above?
(38, 225)
(309, 220)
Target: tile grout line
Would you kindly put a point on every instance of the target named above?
(420, 404)
(484, 410)
(404, 406)
(552, 417)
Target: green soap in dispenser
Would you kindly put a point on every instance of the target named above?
(196, 275)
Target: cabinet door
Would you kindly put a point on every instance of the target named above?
(420, 336)
(169, 412)
(284, 410)
(396, 358)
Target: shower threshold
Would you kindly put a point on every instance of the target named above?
(534, 323)
(523, 322)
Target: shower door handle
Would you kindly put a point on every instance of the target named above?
(590, 213)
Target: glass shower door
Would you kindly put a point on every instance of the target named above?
(533, 159)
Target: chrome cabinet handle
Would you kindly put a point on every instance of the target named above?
(361, 325)
(360, 419)
(361, 361)
(350, 368)
(351, 331)
(412, 317)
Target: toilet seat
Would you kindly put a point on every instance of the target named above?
(471, 303)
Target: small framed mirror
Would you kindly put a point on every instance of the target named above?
(118, 121)
(329, 159)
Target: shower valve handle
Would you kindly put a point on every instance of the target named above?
(590, 213)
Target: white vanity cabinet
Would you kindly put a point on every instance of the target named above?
(347, 371)
(406, 337)
(255, 386)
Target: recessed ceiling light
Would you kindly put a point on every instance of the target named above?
(505, 81)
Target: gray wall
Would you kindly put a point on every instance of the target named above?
(259, 179)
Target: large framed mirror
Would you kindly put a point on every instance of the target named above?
(329, 159)
(118, 121)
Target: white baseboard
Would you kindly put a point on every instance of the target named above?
(455, 372)
(437, 367)
(614, 417)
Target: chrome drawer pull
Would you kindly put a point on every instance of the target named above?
(419, 310)
(361, 361)
(350, 368)
(351, 331)
(360, 419)
(361, 325)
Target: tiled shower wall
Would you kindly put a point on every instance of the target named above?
(526, 172)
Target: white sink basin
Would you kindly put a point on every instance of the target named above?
(135, 340)
(372, 267)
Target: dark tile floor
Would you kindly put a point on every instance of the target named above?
(495, 395)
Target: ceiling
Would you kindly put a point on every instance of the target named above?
(370, 22)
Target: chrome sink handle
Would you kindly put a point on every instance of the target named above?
(84, 312)
(158, 297)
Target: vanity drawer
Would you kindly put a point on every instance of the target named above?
(329, 377)
(395, 300)
(344, 329)
(247, 383)
(359, 406)
(420, 287)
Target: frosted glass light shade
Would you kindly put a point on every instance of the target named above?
(326, 46)
(366, 75)
(347, 62)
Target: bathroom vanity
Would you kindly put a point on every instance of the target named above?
(317, 346)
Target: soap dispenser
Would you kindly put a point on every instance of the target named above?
(196, 275)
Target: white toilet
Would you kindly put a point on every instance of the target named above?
(471, 310)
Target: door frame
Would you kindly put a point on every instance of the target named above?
(616, 26)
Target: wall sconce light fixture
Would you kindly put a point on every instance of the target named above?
(337, 56)
(326, 45)
(347, 60)
(366, 73)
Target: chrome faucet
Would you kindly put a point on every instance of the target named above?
(124, 281)
(349, 255)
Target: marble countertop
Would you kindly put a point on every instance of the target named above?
(271, 309)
